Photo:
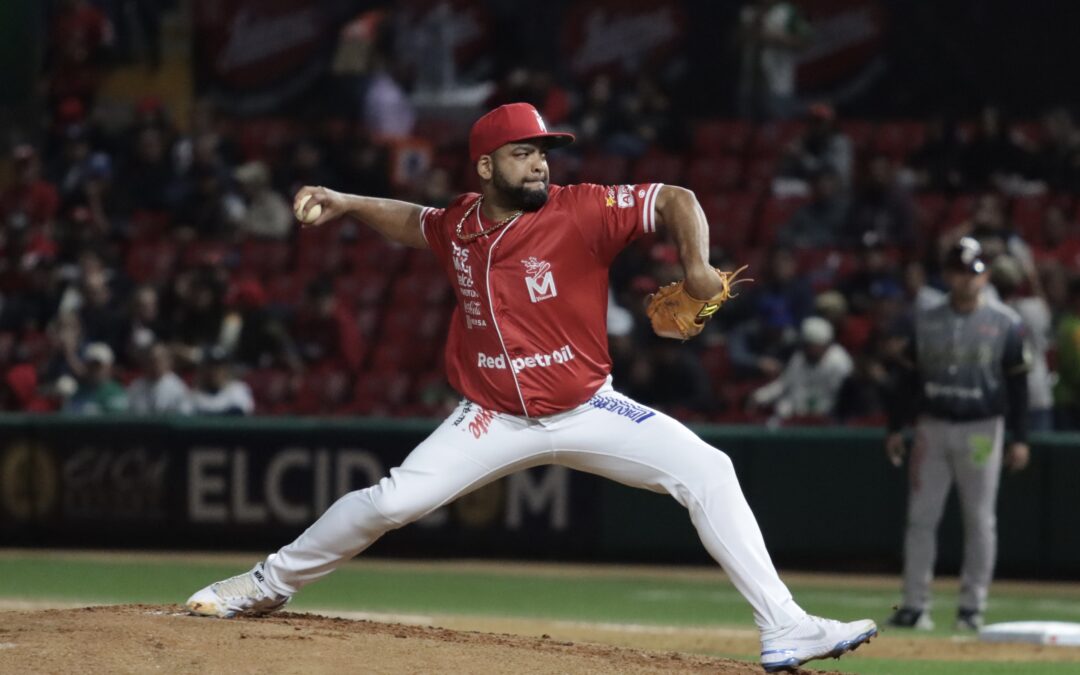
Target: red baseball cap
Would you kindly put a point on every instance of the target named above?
(511, 123)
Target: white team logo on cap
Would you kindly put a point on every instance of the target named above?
(540, 122)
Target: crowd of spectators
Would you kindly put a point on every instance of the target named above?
(152, 265)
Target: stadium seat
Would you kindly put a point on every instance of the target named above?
(775, 213)
(658, 167)
(603, 169)
(774, 138)
(1027, 216)
(151, 261)
(861, 133)
(272, 389)
(709, 175)
(759, 174)
(929, 209)
(264, 257)
(287, 290)
(325, 392)
(898, 139)
(731, 218)
(720, 137)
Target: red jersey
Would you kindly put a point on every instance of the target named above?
(529, 333)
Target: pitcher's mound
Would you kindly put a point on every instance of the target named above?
(143, 638)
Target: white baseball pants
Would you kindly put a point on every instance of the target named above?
(610, 435)
(969, 454)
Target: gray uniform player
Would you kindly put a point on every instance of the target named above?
(963, 382)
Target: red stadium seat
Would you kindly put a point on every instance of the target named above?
(774, 138)
(603, 169)
(731, 218)
(861, 133)
(899, 139)
(658, 167)
(759, 174)
(1027, 215)
(775, 213)
(287, 290)
(272, 389)
(151, 261)
(929, 209)
(709, 175)
(264, 257)
(324, 392)
(721, 137)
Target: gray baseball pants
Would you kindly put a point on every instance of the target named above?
(969, 454)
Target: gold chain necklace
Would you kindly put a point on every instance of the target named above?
(469, 237)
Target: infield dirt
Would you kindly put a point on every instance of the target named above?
(162, 638)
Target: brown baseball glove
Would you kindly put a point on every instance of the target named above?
(676, 314)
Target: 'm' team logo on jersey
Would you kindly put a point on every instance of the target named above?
(539, 280)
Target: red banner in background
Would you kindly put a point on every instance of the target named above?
(252, 55)
(620, 36)
(848, 37)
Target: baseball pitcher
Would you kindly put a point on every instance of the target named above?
(527, 349)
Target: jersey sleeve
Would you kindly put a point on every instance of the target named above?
(610, 217)
(1017, 356)
(431, 226)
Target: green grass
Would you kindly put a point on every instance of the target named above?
(630, 597)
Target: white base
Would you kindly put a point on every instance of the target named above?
(1035, 632)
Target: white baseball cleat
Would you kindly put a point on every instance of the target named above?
(243, 594)
(813, 638)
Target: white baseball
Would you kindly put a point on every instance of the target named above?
(311, 215)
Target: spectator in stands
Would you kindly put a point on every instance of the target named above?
(256, 337)
(98, 393)
(759, 347)
(851, 332)
(819, 223)
(991, 227)
(1057, 158)
(160, 391)
(388, 113)
(873, 278)
(197, 318)
(1067, 390)
(30, 200)
(306, 167)
(144, 325)
(102, 318)
(66, 344)
(779, 283)
(992, 157)
(1009, 279)
(671, 378)
(218, 391)
(771, 34)
(1060, 238)
(809, 384)
(325, 331)
(860, 397)
(366, 168)
(208, 209)
(19, 391)
(598, 117)
(882, 209)
(823, 148)
(265, 213)
(149, 178)
(920, 294)
(938, 165)
(79, 40)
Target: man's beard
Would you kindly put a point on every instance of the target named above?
(518, 196)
